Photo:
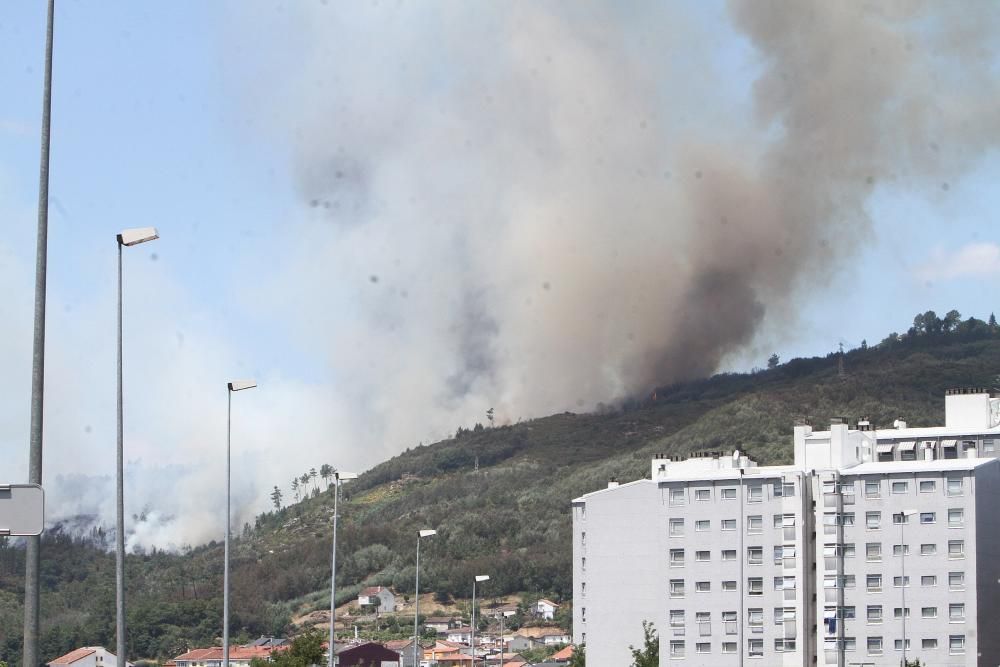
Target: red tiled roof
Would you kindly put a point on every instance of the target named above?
(215, 653)
(73, 656)
(563, 654)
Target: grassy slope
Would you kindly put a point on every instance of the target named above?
(510, 518)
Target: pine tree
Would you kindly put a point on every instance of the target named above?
(993, 322)
(295, 488)
(276, 498)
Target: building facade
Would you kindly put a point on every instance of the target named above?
(873, 543)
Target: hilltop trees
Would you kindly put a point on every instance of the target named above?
(276, 498)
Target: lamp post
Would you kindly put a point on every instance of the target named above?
(236, 385)
(479, 577)
(427, 532)
(337, 476)
(128, 237)
(904, 516)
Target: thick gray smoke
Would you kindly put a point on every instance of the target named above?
(542, 205)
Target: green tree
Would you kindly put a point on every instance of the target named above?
(326, 472)
(295, 488)
(950, 321)
(993, 322)
(579, 658)
(649, 654)
(489, 416)
(276, 498)
(773, 361)
(306, 650)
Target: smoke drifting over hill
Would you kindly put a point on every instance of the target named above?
(539, 206)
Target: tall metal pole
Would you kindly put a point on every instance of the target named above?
(120, 491)
(225, 569)
(416, 607)
(333, 570)
(32, 553)
(472, 635)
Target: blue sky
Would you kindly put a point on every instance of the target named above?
(205, 119)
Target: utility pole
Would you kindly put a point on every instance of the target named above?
(32, 551)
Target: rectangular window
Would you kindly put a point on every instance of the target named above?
(874, 613)
(755, 555)
(928, 643)
(928, 580)
(729, 524)
(928, 549)
(873, 520)
(677, 618)
(874, 646)
(755, 524)
(729, 647)
(873, 582)
(956, 644)
(676, 496)
(898, 644)
(847, 489)
(676, 648)
(729, 554)
(956, 518)
(777, 520)
(847, 519)
(703, 647)
(755, 493)
(703, 494)
(702, 587)
(928, 612)
(729, 586)
(702, 525)
(755, 647)
(583, 538)
(901, 582)
(784, 645)
(676, 558)
(729, 494)
(872, 488)
(925, 517)
(755, 585)
(954, 488)
(956, 581)
(676, 528)
(703, 555)
(847, 550)
(956, 548)
(956, 613)
(900, 549)
(784, 490)
(676, 588)
(900, 518)
(927, 486)
(755, 617)
(900, 487)
(897, 612)
(873, 551)
(988, 446)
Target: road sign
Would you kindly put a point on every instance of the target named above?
(22, 509)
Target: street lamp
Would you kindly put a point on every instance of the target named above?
(128, 237)
(903, 518)
(235, 385)
(427, 532)
(478, 578)
(337, 476)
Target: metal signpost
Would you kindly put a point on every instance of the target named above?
(22, 510)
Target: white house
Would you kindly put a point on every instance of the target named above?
(88, 656)
(545, 609)
(461, 635)
(381, 595)
(553, 637)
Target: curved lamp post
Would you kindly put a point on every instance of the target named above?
(427, 532)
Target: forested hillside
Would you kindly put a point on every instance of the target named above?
(509, 517)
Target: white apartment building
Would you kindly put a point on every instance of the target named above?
(871, 541)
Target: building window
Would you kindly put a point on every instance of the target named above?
(676, 648)
(783, 614)
(729, 647)
(928, 549)
(702, 587)
(901, 518)
(755, 524)
(729, 524)
(676, 588)
(677, 618)
(755, 617)
(874, 646)
(873, 551)
(901, 582)
(925, 517)
(928, 612)
(703, 647)
(755, 493)
(755, 585)
(988, 446)
(676, 528)
(898, 644)
(873, 520)
(873, 582)
(874, 613)
(702, 525)
(956, 518)
(756, 647)
(703, 494)
(755, 555)
(955, 489)
(900, 487)
(704, 620)
(956, 548)
(897, 612)
(956, 644)
(872, 488)
(729, 622)
(703, 555)
(784, 645)
(676, 558)
(583, 538)
(956, 613)
(729, 494)
(900, 549)
(676, 496)
(928, 486)
(928, 580)
(956, 581)
(729, 554)
(583, 564)
(784, 489)
(729, 586)
(928, 643)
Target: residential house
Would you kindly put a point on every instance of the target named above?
(553, 637)
(565, 654)
(366, 655)
(380, 595)
(88, 656)
(462, 635)
(404, 647)
(239, 656)
(440, 624)
(505, 610)
(520, 643)
(545, 609)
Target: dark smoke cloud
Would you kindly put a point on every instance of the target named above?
(571, 202)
